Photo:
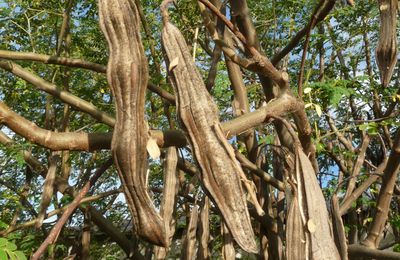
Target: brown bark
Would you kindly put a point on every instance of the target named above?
(357, 251)
(385, 196)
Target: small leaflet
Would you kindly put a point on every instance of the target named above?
(307, 90)
(318, 110)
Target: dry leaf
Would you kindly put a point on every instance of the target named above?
(153, 149)
(173, 64)
(318, 110)
(307, 90)
(311, 226)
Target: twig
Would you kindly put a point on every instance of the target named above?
(32, 222)
(303, 57)
(261, 63)
(52, 237)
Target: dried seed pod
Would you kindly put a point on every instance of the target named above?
(199, 114)
(127, 74)
(169, 200)
(228, 250)
(203, 235)
(386, 51)
(189, 242)
(48, 189)
(313, 211)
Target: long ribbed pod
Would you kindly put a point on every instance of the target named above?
(199, 114)
(127, 74)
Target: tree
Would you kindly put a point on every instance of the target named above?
(199, 129)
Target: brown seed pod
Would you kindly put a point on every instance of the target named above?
(199, 114)
(127, 74)
(48, 189)
(386, 51)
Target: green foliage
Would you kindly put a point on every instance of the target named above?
(331, 92)
(8, 250)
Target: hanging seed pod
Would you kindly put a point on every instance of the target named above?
(199, 114)
(312, 207)
(169, 200)
(228, 250)
(189, 241)
(203, 235)
(386, 51)
(48, 189)
(127, 75)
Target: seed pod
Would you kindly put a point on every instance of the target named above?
(127, 74)
(199, 114)
(169, 200)
(203, 235)
(189, 241)
(48, 189)
(386, 51)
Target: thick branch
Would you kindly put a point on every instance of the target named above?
(259, 172)
(47, 59)
(282, 106)
(74, 141)
(96, 141)
(63, 95)
(385, 195)
(356, 251)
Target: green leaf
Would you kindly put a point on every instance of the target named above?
(20, 255)
(11, 246)
(3, 225)
(307, 90)
(3, 242)
(318, 109)
(12, 256)
(3, 255)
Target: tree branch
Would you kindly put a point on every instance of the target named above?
(65, 96)
(356, 251)
(327, 6)
(52, 237)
